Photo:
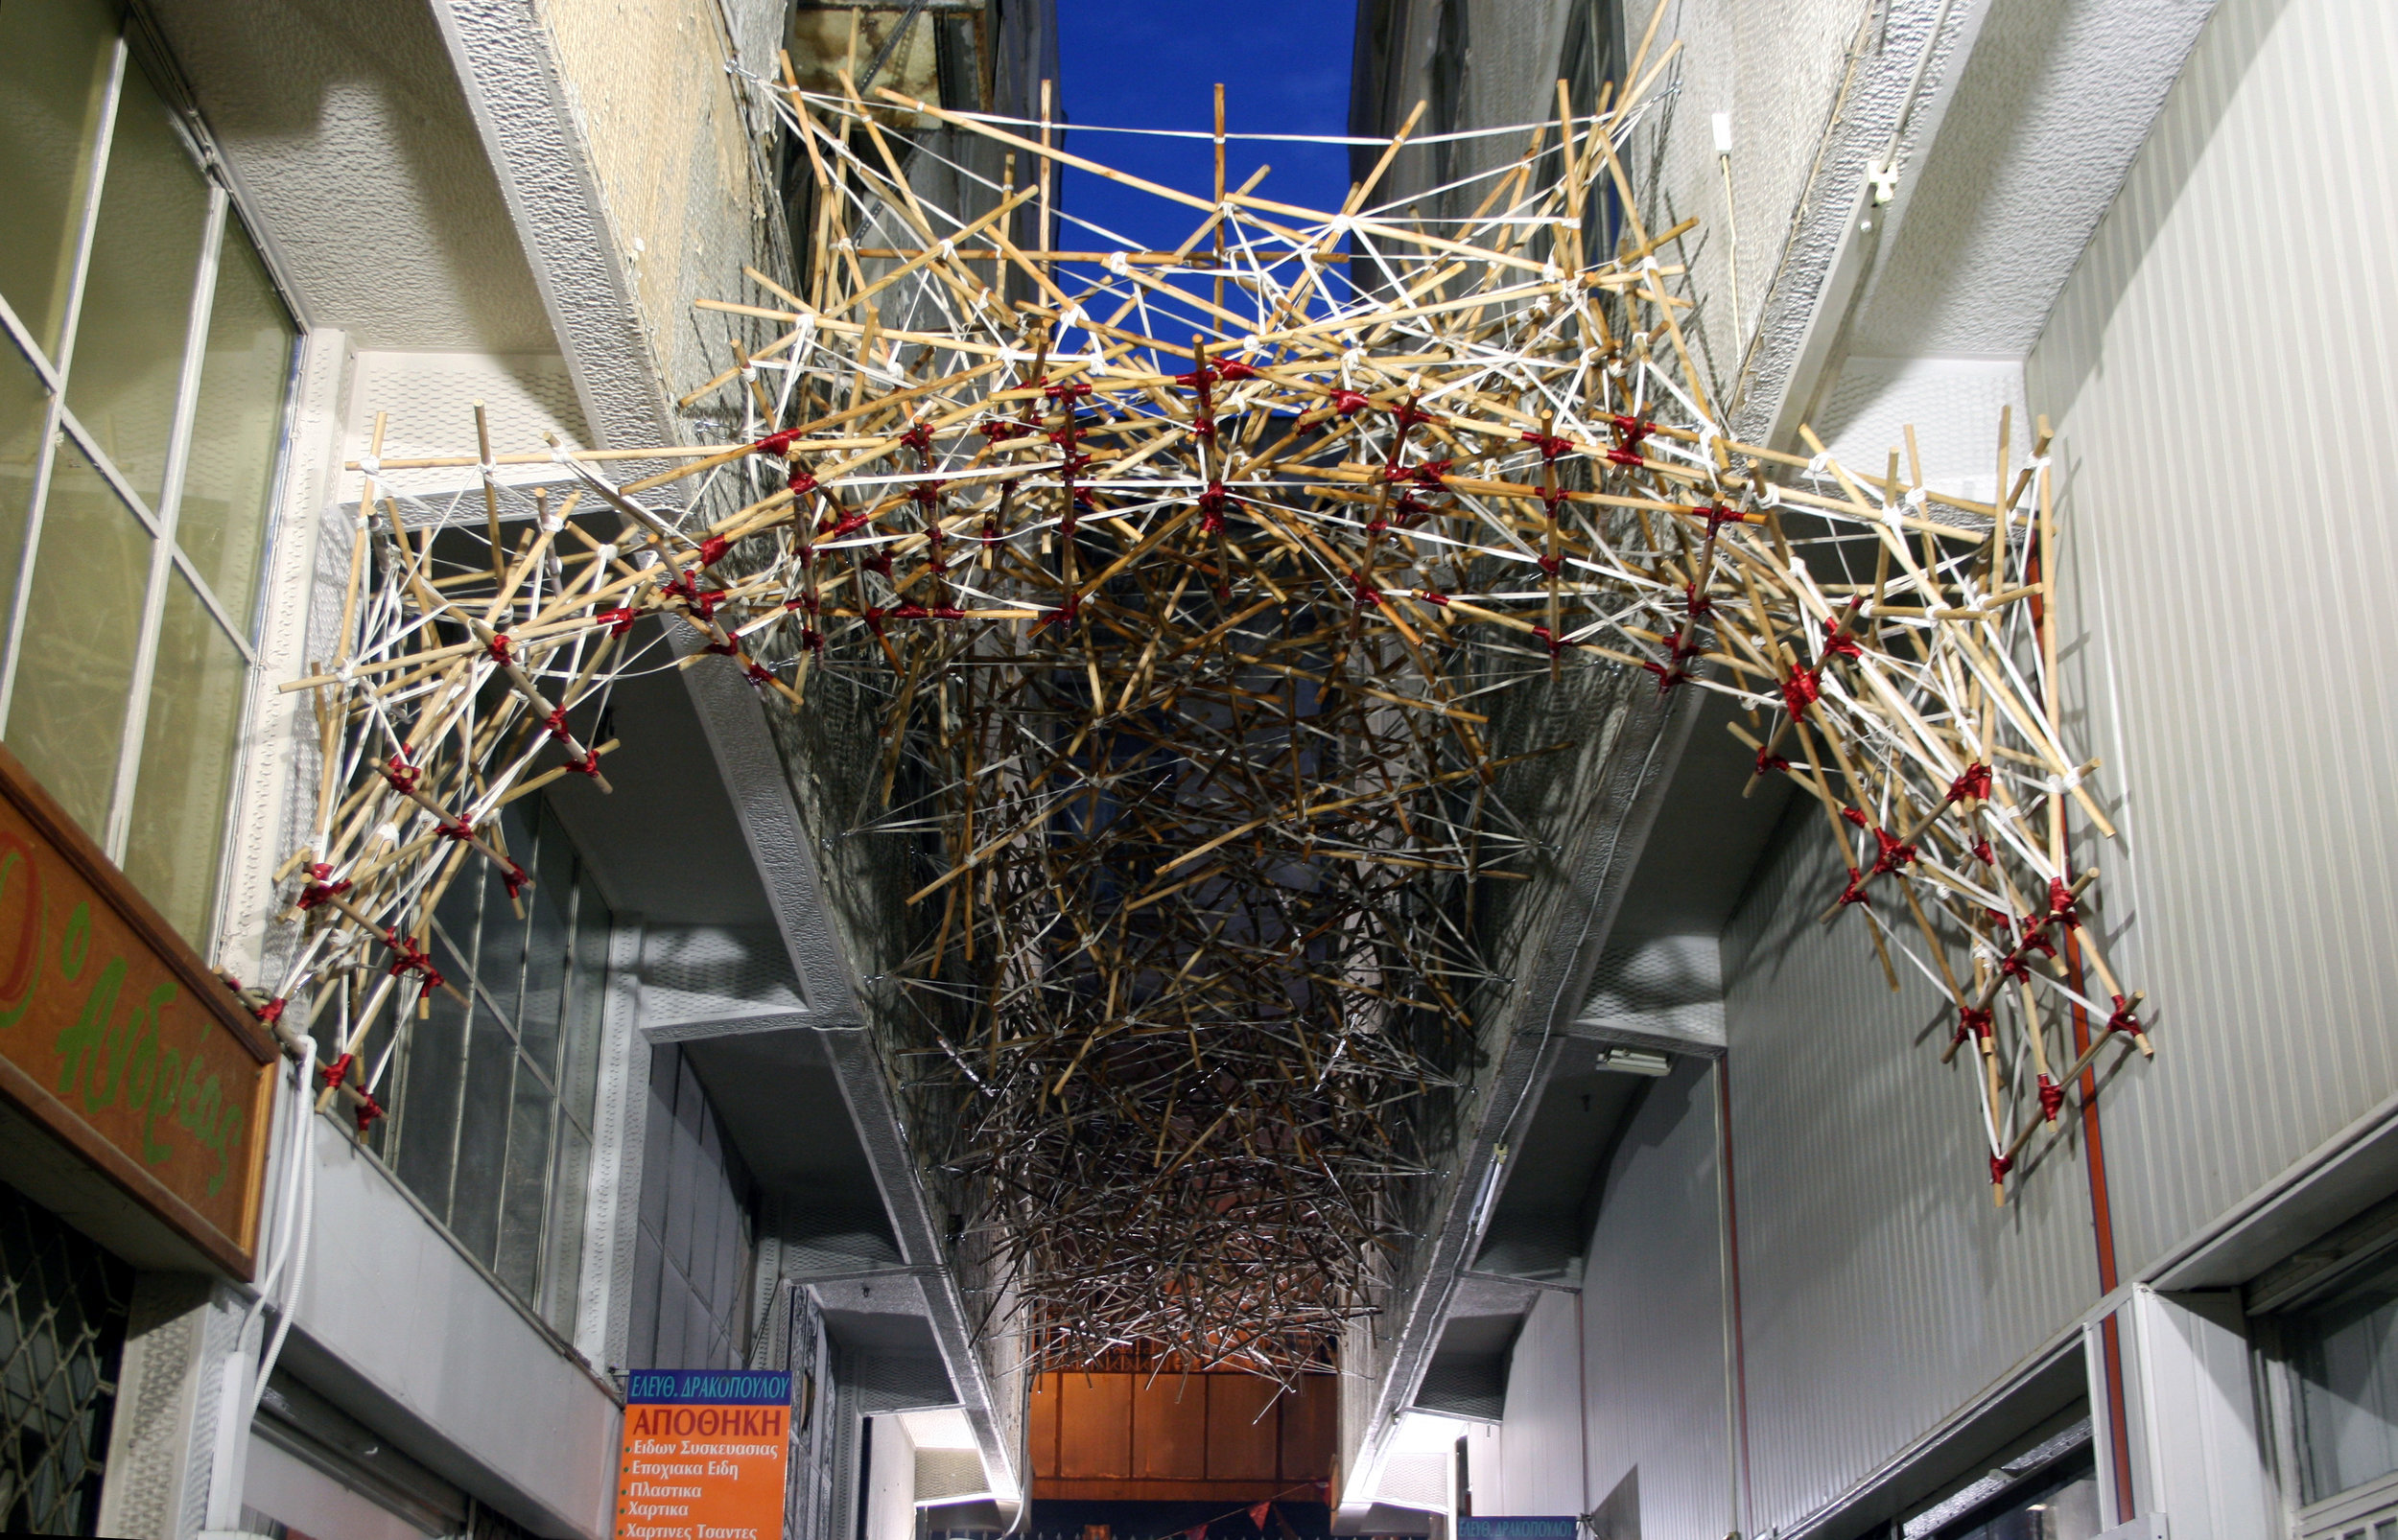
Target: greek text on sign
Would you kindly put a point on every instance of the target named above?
(705, 1454)
(1519, 1527)
(115, 1038)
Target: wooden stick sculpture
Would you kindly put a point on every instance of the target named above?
(1193, 592)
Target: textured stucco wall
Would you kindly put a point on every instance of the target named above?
(673, 147)
(1780, 71)
(345, 130)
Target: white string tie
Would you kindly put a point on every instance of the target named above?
(1815, 466)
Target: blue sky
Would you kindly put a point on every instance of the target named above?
(1154, 64)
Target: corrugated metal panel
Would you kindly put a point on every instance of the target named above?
(1880, 1288)
(1541, 1452)
(1653, 1317)
(2222, 370)
(692, 1256)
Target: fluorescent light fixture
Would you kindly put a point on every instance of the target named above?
(1633, 1061)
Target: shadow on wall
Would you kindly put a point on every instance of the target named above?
(2068, 349)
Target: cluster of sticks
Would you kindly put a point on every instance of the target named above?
(1188, 585)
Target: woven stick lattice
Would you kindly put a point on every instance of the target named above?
(1192, 591)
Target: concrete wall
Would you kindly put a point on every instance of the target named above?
(399, 1327)
(674, 148)
(1783, 72)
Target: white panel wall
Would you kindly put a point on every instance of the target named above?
(1881, 1289)
(2222, 370)
(1653, 1317)
(1539, 1453)
(890, 1482)
(390, 1297)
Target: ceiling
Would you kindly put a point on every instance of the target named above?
(346, 131)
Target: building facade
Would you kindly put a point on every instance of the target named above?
(1761, 1289)
(251, 246)
(1710, 1257)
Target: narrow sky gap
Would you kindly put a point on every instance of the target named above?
(1285, 68)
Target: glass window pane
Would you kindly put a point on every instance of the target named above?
(177, 835)
(2347, 1362)
(524, 1188)
(82, 618)
(459, 914)
(500, 968)
(561, 1283)
(136, 315)
(237, 428)
(587, 997)
(425, 1115)
(546, 947)
(482, 1137)
(55, 56)
(23, 408)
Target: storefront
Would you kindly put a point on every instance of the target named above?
(135, 1098)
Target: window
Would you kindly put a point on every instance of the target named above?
(64, 1303)
(1593, 59)
(2344, 1353)
(2059, 1502)
(490, 1102)
(144, 388)
(1447, 108)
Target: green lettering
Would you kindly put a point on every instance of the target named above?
(163, 1099)
(159, 1082)
(200, 1103)
(87, 1037)
(227, 1139)
(134, 1051)
(76, 944)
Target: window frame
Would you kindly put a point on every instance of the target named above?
(588, 917)
(132, 50)
(2279, 1301)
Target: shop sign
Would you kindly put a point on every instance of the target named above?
(705, 1454)
(1519, 1527)
(116, 1038)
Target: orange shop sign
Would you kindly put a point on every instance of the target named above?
(705, 1454)
(117, 1040)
